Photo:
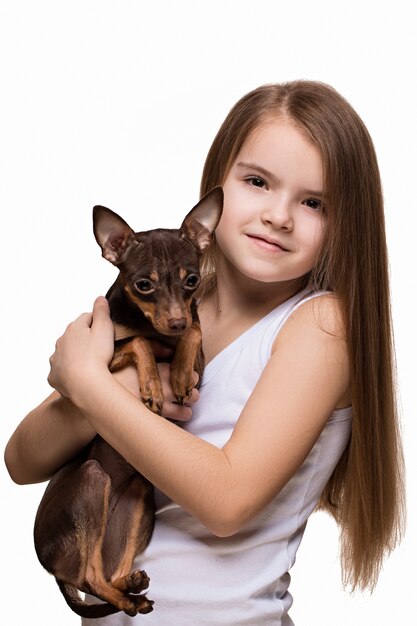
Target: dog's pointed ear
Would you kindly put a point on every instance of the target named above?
(112, 233)
(200, 223)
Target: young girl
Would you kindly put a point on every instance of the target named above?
(296, 407)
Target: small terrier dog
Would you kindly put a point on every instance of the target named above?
(97, 512)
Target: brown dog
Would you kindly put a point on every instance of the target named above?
(97, 512)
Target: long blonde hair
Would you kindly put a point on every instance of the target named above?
(365, 493)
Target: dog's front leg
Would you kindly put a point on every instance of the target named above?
(184, 362)
(139, 352)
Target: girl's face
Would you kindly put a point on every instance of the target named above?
(273, 222)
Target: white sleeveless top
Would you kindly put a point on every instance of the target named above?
(198, 579)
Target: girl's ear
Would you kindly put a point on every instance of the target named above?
(112, 234)
(201, 221)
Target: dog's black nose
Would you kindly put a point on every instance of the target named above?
(178, 324)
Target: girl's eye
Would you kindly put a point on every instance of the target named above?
(256, 181)
(191, 281)
(144, 286)
(316, 205)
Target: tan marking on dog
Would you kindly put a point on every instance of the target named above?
(147, 308)
(183, 273)
(94, 570)
(131, 548)
(182, 366)
(138, 351)
(159, 320)
(123, 332)
(176, 311)
(94, 575)
(154, 276)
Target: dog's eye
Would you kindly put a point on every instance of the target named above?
(144, 286)
(191, 281)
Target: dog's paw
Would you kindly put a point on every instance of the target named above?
(146, 606)
(137, 581)
(153, 404)
(139, 604)
(182, 384)
(151, 394)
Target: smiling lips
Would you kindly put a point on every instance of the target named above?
(267, 243)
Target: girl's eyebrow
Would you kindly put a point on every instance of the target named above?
(273, 178)
(261, 170)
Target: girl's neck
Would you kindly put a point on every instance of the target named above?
(235, 304)
(237, 295)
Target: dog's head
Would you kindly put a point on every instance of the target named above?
(160, 269)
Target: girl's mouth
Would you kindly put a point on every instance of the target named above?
(267, 243)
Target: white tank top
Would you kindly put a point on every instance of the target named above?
(198, 579)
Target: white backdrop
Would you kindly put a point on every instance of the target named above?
(116, 103)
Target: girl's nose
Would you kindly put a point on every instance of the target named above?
(278, 215)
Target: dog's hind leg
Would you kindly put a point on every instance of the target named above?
(69, 533)
(96, 528)
(125, 539)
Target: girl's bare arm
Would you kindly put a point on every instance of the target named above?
(49, 436)
(303, 382)
(56, 430)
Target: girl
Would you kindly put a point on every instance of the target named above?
(296, 407)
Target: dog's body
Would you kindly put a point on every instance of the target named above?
(97, 512)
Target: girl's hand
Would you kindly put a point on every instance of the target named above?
(84, 351)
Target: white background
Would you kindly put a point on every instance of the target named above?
(116, 103)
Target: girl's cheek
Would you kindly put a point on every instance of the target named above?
(222, 230)
(319, 233)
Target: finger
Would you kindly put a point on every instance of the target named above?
(85, 319)
(101, 316)
(101, 308)
(177, 412)
(193, 398)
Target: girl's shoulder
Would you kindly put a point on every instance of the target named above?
(315, 332)
(311, 349)
(321, 312)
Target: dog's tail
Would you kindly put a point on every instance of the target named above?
(81, 608)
